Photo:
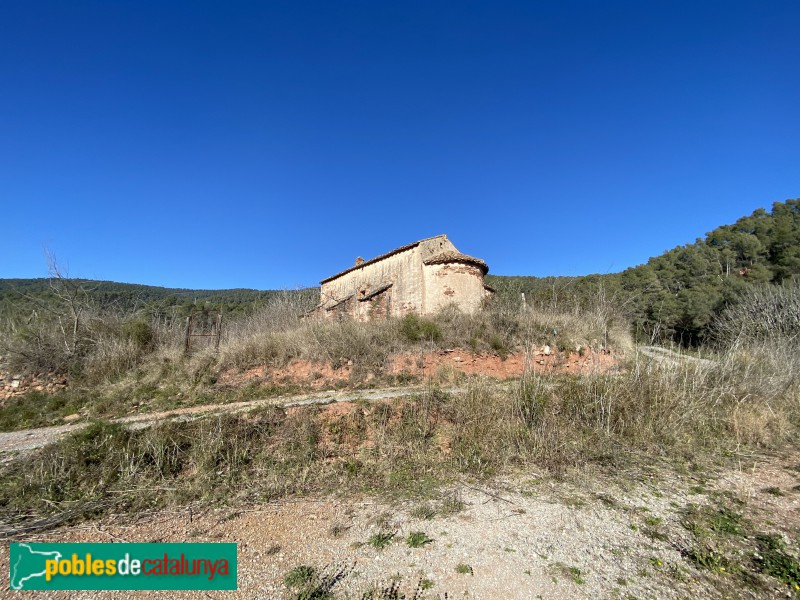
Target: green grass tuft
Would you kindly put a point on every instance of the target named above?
(773, 560)
(418, 539)
(302, 575)
(381, 540)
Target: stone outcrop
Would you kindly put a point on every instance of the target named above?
(12, 385)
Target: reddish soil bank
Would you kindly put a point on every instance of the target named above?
(498, 367)
(438, 364)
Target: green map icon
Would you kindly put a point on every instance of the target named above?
(122, 566)
(28, 565)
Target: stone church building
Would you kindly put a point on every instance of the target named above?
(420, 278)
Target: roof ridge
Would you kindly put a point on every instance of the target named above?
(450, 256)
(382, 256)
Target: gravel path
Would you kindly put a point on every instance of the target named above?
(588, 536)
(30, 439)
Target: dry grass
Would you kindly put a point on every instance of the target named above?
(747, 396)
(648, 412)
(764, 315)
(123, 362)
(264, 339)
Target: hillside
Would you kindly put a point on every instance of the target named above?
(19, 298)
(410, 435)
(677, 295)
(674, 296)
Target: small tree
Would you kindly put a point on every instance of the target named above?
(56, 335)
(73, 304)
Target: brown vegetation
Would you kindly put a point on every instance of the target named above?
(682, 409)
(126, 364)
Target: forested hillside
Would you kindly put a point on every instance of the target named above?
(677, 295)
(21, 298)
(674, 296)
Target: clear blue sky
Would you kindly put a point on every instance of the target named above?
(267, 144)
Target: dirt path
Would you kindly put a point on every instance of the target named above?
(29, 439)
(313, 374)
(670, 356)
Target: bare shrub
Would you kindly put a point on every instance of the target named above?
(765, 314)
(760, 340)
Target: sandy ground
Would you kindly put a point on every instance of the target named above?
(528, 537)
(590, 535)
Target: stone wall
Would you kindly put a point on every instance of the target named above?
(453, 283)
(398, 269)
(399, 283)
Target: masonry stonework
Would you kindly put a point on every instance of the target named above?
(420, 278)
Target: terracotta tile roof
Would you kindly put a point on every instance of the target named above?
(381, 257)
(448, 257)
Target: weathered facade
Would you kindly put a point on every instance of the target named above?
(419, 278)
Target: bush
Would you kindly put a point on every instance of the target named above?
(763, 315)
(415, 329)
(140, 333)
